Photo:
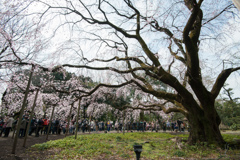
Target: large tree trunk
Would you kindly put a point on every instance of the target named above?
(204, 127)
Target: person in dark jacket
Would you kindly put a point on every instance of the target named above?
(22, 127)
(32, 126)
(39, 126)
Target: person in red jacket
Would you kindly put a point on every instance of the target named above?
(1, 126)
(45, 125)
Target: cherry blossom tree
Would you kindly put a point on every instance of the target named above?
(20, 39)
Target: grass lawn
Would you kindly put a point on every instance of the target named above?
(119, 146)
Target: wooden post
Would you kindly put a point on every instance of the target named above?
(13, 132)
(21, 111)
(69, 120)
(50, 123)
(89, 124)
(31, 116)
(117, 125)
(78, 111)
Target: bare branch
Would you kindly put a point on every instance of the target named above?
(220, 13)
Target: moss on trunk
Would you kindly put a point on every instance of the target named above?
(205, 128)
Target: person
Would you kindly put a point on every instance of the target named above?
(96, 125)
(116, 125)
(32, 126)
(182, 126)
(147, 126)
(168, 125)
(64, 125)
(141, 126)
(138, 126)
(27, 121)
(83, 125)
(103, 126)
(172, 125)
(86, 125)
(22, 127)
(100, 126)
(39, 126)
(1, 126)
(45, 125)
(164, 126)
(128, 126)
(176, 127)
(134, 125)
(144, 126)
(89, 126)
(4, 125)
(9, 122)
(120, 126)
(93, 126)
(153, 126)
(108, 126)
(71, 127)
(179, 124)
(56, 126)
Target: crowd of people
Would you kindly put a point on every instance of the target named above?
(42, 126)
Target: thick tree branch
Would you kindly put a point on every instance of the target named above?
(158, 94)
(222, 77)
(191, 35)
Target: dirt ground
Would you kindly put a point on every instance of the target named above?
(6, 144)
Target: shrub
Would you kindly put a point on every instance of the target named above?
(234, 127)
